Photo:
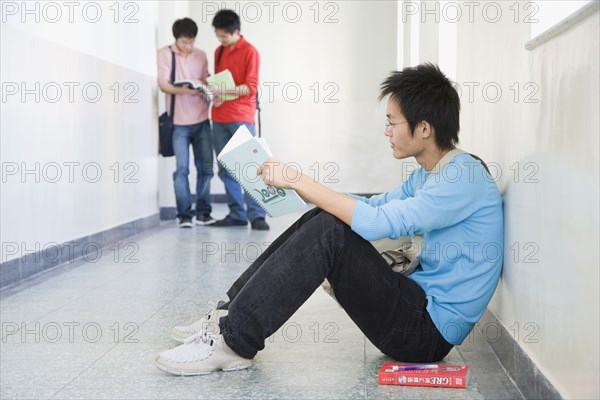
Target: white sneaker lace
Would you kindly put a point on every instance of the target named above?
(201, 333)
(204, 337)
(193, 327)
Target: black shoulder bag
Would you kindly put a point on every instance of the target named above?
(165, 122)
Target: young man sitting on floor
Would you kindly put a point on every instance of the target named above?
(415, 318)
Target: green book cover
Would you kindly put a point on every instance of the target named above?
(242, 156)
(223, 80)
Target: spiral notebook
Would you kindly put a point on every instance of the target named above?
(242, 156)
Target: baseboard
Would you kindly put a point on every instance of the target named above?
(55, 254)
(169, 213)
(532, 383)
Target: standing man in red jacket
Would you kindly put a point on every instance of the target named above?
(243, 60)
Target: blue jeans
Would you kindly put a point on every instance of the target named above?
(389, 308)
(200, 137)
(233, 191)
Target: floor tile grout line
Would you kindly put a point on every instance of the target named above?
(6, 292)
(73, 300)
(116, 344)
(505, 372)
(88, 367)
(94, 289)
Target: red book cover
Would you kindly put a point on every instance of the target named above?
(450, 376)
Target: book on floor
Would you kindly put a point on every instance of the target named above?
(222, 80)
(242, 156)
(449, 376)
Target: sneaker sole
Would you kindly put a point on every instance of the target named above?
(186, 225)
(204, 223)
(227, 226)
(196, 373)
(238, 368)
(178, 373)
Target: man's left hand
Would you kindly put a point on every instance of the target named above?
(276, 173)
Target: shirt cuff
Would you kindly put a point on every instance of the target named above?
(359, 198)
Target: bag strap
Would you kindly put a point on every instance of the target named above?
(413, 250)
(444, 161)
(217, 61)
(482, 163)
(172, 113)
(449, 156)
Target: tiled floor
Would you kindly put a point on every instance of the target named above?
(91, 330)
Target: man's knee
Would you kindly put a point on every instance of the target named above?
(328, 219)
(311, 213)
(181, 173)
(205, 168)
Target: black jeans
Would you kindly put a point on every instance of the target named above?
(389, 308)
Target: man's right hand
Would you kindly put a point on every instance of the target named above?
(175, 90)
(191, 92)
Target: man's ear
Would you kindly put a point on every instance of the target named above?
(424, 130)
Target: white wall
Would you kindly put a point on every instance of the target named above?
(112, 132)
(547, 152)
(565, 131)
(346, 57)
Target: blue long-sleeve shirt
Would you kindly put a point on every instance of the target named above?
(459, 213)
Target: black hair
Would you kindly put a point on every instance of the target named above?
(424, 93)
(227, 20)
(185, 27)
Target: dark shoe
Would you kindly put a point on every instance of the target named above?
(185, 222)
(260, 224)
(228, 221)
(205, 219)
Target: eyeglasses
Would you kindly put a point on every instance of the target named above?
(389, 124)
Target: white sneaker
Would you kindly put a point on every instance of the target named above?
(200, 355)
(208, 323)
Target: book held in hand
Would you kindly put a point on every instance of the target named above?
(197, 85)
(242, 156)
(224, 81)
(450, 376)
